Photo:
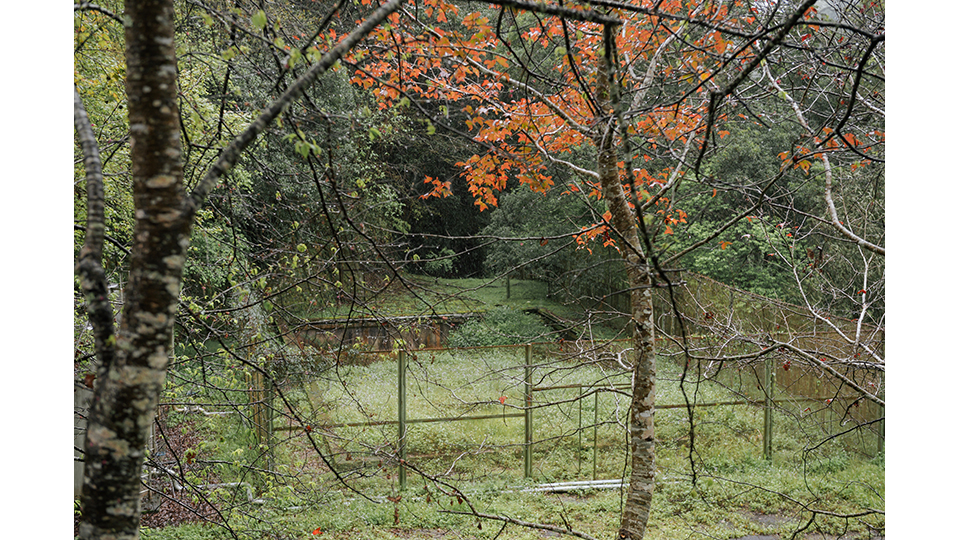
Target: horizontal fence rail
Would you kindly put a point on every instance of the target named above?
(766, 380)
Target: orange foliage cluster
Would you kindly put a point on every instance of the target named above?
(436, 54)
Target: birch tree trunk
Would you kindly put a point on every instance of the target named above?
(128, 386)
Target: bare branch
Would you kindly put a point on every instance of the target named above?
(528, 524)
(228, 158)
(90, 6)
(827, 174)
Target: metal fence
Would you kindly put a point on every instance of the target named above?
(775, 384)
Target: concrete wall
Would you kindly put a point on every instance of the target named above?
(379, 334)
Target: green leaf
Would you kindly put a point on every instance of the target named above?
(295, 57)
(259, 20)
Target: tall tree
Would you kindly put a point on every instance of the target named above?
(133, 361)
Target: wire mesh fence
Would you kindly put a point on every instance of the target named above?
(758, 378)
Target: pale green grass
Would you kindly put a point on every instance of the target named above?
(484, 458)
(426, 295)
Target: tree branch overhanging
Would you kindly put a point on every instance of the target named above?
(90, 6)
(230, 155)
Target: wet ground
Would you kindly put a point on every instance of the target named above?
(776, 521)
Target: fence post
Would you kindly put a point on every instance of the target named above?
(528, 412)
(580, 431)
(256, 398)
(881, 428)
(402, 416)
(596, 419)
(768, 386)
(268, 395)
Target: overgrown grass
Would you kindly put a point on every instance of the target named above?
(425, 295)
(501, 326)
(734, 486)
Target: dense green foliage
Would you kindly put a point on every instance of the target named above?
(741, 256)
(500, 326)
(535, 239)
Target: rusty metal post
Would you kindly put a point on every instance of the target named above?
(596, 420)
(768, 387)
(402, 416)
(528, 411)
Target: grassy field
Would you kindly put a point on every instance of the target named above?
(723, 489)
(421, 295)
(737, 492)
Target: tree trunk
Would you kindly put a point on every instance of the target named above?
(636, 510)
(128, 386)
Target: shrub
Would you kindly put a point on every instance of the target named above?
(501, 326)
